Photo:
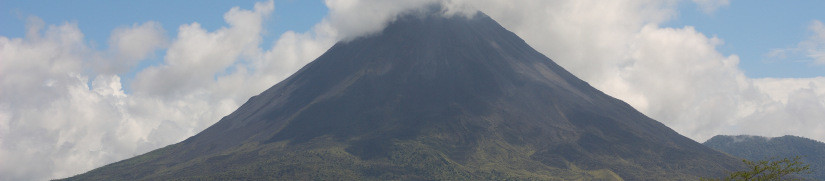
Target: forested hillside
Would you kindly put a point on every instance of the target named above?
(763, 148)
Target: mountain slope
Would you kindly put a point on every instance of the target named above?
(762, 148)
(430, 97)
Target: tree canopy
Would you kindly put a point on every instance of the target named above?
(771, 169)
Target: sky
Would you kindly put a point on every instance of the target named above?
(87, 83)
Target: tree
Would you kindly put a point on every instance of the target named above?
(771, 169)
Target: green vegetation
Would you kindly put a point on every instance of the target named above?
(328, 159)
(771, 170)
(760, 148)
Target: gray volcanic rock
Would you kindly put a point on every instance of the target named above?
(431, 97)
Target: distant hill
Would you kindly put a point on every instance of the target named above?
(761, 148)
(431, 97)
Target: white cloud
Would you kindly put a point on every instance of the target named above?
(815, 45)
(797, 111)
(196, 55)
(59, 122)
(353, 18)
(50, 118)
(137, 41)
(810, 50)
(780, 89)
(674, 75)
(129, 45)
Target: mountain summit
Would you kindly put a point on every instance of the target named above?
(431, 97)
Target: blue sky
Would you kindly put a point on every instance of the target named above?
(98, 18)
(164, 78)
(749, 29)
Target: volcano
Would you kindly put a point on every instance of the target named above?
(430, 97)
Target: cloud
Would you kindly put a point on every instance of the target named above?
(354, 18)
(135, 42)
(810, 50)
(780, 89)
(684, 81)
(39, 64)
(49, 116)
(63, 109)
(129, 45)
(815, 45)
(196, 55)
(798, 109)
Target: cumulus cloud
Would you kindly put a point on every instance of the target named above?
(797, 108)
(129, 45)
(678, 70)
(51, 119)
(63, 109)
(196, 55)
